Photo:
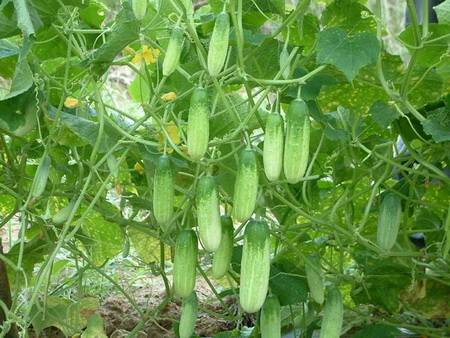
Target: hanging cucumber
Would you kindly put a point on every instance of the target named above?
(273, 147)
(389, 221)
(41, 176)
(246, 186)
(284, 63)
(296, 147)
(173, 52)
(189, 311)
(198, 124)
(222, 256)
(218, 45)
(255, 266)
(185, 263)
(208, 213)
(139, 8)
(63, 214)
(271, 318)
(333, 315)
(163, 192)
(314, 279)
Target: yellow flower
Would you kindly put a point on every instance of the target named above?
(172, 131)
(148, 54)
(168, 97)
(71, 102)
(139, 168)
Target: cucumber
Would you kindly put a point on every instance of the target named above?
(222, 256)
(333, 315)
(296, 146)
(273, 147)
(173, 52)
(285, 67)
(314, 279)
(163, 192)
(185, 263)
(41, 176)
(218, 45)
(61, 216)
(389, 221)
(208, 213)
(255, 266)
(198, 124)
(139, 8)
(271, 318)
(246, 186)
(189, 311)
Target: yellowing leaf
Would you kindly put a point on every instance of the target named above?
(148, 54)
(71, 102)
(168, 97)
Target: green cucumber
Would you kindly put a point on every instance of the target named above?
(63, 214)
(314, 279)
(189, 311)
(218, 45)
(333, 315)
(285, 67)
(173, 52)
(255, 266)
(273, 147)
(246, 186)
(163, 192)
(296, 146)
(198, 124)
(185, 263)
(222, 256)
(389, 221)
(208, 213)
(139, 8)
(271, 318)
(41, 176)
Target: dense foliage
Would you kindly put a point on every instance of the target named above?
(346, 201)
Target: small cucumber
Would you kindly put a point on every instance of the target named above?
(163, 192)
(285, 67)
(139, 8)
(255, 266)
(185, 263)
(218, 45)
(222, 256)
(208, 213)
(273, 147)
(246, 186)
(296, 146)
(61, 216)
(173, 52)
(314, 279)
(189, 311)
(41, 176)
(389, 221)
(271, 318)
(333, 315)
(198, 124)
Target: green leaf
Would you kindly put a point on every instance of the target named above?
(349, 15)
(146, 246)
(95, 327)
(383, 114)
(23, 77)
(377, 331)
(125, 30)
(18, 114)
(104, 239)
(437, 125)
(9, 21)
(349, 53)
(432, 51)
(443, 12)
(290, 288)
(93, 14)
(23, 17)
